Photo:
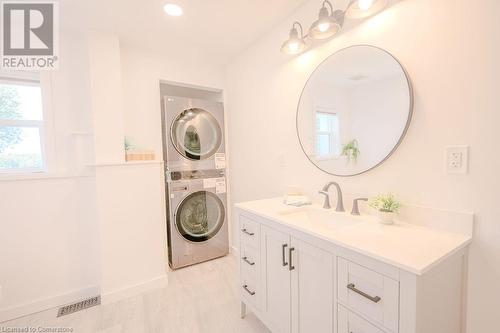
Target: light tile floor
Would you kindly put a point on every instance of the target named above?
(201, 298)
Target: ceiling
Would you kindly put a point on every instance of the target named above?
(214, 29)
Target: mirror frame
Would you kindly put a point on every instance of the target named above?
(408, 122)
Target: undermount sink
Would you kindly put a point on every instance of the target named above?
(321, 217)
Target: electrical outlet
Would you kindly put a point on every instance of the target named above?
(457, 159)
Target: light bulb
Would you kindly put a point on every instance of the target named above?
(172, 9)
(293, 47)
(323, 26)
(365, 4)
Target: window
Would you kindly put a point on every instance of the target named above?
(21, 126)
(327, 135)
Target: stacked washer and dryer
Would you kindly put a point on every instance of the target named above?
(194, 151)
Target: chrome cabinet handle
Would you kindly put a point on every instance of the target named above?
(291, 267)
(283, 247)
(248, 290)
(247, 232)
(374, 299)
(245, 259)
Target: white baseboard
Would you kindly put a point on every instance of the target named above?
(134, 290)
(60, 300)
(47, 303)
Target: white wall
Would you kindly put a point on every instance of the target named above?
(132, 229)
(49, 234)
(141, 75)
(106, 96)
(451, 51)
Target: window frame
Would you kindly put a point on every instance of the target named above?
(43, 81)
(331, 134)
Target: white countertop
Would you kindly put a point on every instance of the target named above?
(409, 247)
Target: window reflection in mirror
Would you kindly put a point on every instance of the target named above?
(327, 134)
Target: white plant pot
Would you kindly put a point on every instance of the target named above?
(386, 217)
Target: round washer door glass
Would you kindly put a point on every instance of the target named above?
(200, 216)
(196, 134)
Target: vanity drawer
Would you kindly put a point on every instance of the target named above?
(250, 259)
(349, 322)
(249, 284)
(250, 232)
(370, 293)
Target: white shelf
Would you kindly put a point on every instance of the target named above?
(106, 164)
(41, 176)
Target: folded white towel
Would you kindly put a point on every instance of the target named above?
(296, 200)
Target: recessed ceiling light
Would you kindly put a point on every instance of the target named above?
(172, 9)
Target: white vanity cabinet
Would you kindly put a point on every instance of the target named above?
(294, 291)
(299, 282)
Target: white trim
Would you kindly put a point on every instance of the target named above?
(47, 303)
(113, 164)
(21, 75)
(11, 177)
(191, 86)
(49, 142)
(21, 123)
(19, 81)
(134, 290)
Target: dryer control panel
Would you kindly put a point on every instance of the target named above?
(195, 174)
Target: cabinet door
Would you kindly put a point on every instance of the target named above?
(312, 289)
(275, 279)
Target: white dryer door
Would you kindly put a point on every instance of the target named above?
(200, 216)
(196, 134)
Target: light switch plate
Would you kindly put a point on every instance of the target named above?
(457, 159)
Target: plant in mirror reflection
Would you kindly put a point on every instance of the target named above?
(351, 150)
(385, 203)
(130, 144)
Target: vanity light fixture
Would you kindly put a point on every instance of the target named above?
(173, 9)
(330, 22)
(295, 43)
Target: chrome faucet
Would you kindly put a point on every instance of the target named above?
(340, 203)
(355, 206)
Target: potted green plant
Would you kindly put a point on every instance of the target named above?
(351, 150)
(128, 144)
(387, 206)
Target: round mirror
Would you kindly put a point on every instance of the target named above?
(354, 110)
